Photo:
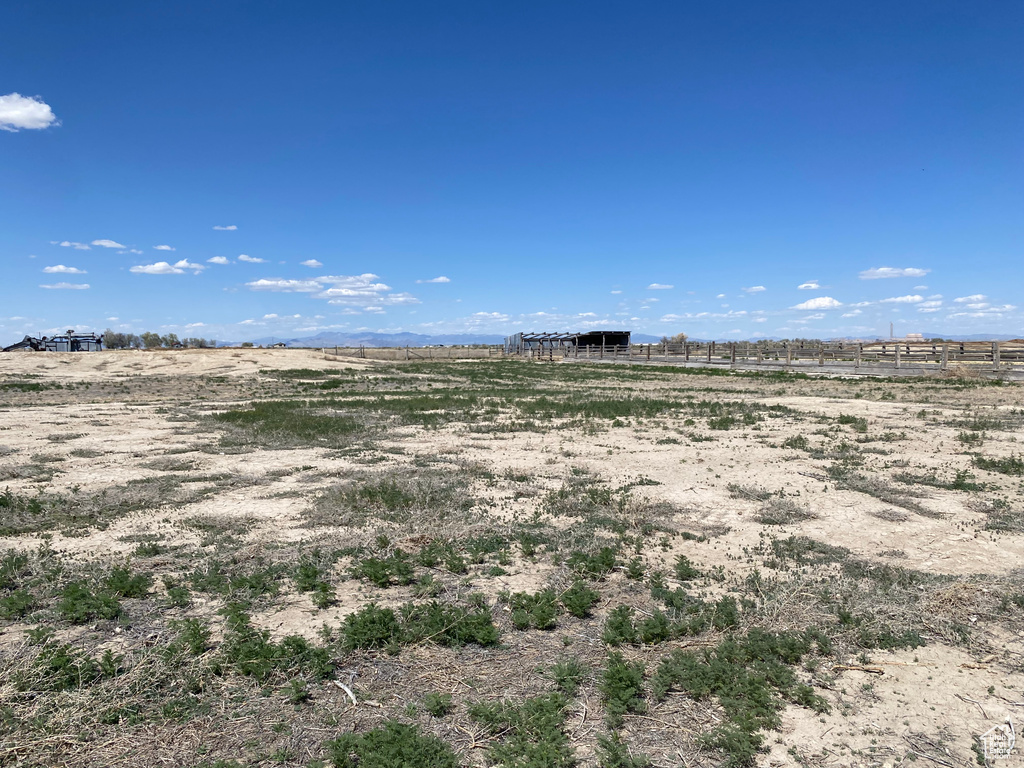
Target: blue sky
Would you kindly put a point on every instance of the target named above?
(735, 169)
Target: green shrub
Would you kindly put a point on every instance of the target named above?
(12, 566)
(635, 568)
(17, 604)
(1010, 465)
(655, 629)
(531, 733)
(448, 625)
(59, 667)
(393, 745)
(372, 627)
(612, 752)
(382, 571)
(438, 704)
(857, 423)
(121, 582)
(539, 610)
(579, 599)
(79, 604)
(193, 634)
(684, 569)
(618, 627)
(595, 566)
(796, 442)
(752, 677)
(251, 652)
(568, 674)
(622, 688)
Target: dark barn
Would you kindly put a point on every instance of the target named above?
(519, 343)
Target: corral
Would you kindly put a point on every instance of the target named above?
(538, 343)
(277, 557)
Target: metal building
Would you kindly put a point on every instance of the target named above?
(68, 342)
(519, 343)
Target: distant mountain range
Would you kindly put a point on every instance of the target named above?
(370, 339)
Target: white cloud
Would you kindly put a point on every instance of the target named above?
(19, 112)
(972, 299)
(755, 289)
(218, 260)
(135, 250)
(720, 296)
(810, 285)
(61, 269)
(920, 287)
(71, 244)
(108, 244)
(67, 286)
(162, 248)
(659, 287)
(251, 259)
(616, 293)
(672, 318)
(284, 286)
(852, 313)
(160, 268)
(311, 263)
(163, 268)
(441, 279)
(877, 273)
(228, 228)
(914, 299)
(362, 291)
(928, 305)
(984, 310)
(760, 319)
(819, 302)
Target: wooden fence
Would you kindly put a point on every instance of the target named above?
(909, 357)
(415, 353)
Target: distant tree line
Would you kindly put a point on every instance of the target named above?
(150, 340)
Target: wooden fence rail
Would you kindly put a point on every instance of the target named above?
(992, 357)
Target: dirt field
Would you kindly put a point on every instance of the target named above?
(264, 557)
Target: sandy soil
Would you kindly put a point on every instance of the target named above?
(934, 699)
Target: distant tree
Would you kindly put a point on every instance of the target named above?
(247, 344)
(152, 340)
(171, 340)
(679, 338)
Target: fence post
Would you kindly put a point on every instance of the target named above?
(686, 351)
(897, 349)
(760, 356)
(732, 354)
(945, 357)
(995, 356)
(711, 346)
(648, 353)
(789, 355)
(856, 356)
(821, 355)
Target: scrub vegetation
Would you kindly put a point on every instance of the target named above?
(499, 563)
